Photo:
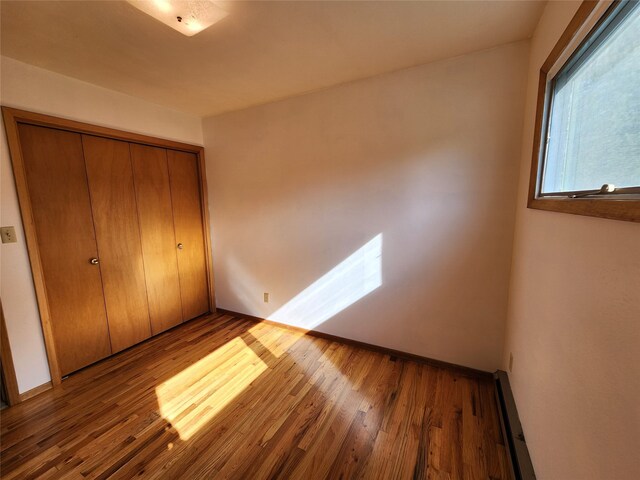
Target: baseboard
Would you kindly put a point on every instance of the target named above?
(517, 451)
(35, 391)
(468, 371)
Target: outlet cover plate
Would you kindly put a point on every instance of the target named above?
(8, 234)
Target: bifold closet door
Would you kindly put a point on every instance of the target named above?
(187, 219)
(115, 216)
(57, 184)
(153, 194)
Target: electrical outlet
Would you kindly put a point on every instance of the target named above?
(510, 362)
(266, 297)
(8, 235)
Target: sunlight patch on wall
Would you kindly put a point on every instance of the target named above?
(208, 386)
(349, 281)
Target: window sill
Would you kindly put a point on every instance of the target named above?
(622, 209)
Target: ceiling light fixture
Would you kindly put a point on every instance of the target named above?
(186, 16)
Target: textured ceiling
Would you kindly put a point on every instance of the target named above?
(260, 52)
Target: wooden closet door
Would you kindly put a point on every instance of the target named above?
(153, 194)
(115, 216)
(187, 219)
(57, 184)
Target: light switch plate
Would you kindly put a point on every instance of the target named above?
(8, 235)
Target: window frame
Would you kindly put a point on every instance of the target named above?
(625, 203)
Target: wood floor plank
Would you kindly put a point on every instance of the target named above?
(227, 398)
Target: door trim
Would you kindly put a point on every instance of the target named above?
(12, 117)
(8, 371)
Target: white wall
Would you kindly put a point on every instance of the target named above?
(421, 163)
(573, 322)
(30, 88)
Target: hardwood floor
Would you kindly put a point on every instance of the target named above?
(224, 397)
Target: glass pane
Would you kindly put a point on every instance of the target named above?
(595, 116)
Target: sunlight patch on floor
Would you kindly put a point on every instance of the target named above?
(190, 399)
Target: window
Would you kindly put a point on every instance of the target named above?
(587, 155)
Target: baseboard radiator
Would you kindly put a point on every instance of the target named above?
(519, 459)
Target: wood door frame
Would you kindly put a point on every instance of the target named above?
(10, 381)
(12, 117)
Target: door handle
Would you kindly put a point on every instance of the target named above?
(180, 246)
(94, 261)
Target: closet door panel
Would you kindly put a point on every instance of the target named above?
(115, 217)
(153, 194)
(59, 195)
(187, 219)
